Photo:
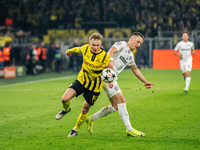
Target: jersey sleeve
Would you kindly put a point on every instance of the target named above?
(74, 50)
(177, 47)
(119, 45)
(192, 46)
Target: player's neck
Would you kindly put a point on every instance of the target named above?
(185, 41)
(129, 46)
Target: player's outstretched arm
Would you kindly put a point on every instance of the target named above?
(111, 52)
(73, 50)
(138, 74)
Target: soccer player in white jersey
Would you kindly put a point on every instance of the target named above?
(121, 55)
(185, 47)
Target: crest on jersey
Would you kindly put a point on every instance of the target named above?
(119, 43)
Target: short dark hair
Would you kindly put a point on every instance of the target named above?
(138, 34)
(96, 36)
(186, 31)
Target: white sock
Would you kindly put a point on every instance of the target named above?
(103, 112)
(123, 113)
(187, 82)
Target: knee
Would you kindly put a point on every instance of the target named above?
(64, 99)
(85, 110)
(115, 106)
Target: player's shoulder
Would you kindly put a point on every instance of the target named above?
(190, 42)
(120, 43)
(85, 46)
(180, 42)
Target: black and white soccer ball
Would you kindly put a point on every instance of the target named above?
(108, 75)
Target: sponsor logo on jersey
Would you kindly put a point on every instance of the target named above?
(118, 43)
(90, 65)
(123, 59)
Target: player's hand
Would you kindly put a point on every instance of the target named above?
(180, 56)
(68, 54)
(110, 85)
(110, 65)
(148, 85)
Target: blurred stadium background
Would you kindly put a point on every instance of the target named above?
(70, 22)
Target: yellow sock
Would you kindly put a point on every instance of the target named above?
(66, 105)
(81, 119)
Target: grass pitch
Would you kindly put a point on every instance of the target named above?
(169, 117)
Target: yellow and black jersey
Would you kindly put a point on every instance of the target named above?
(93, 65)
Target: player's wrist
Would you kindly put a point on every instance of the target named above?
(111, 59)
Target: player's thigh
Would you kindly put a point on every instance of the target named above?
(90, 96)
(186, 66)
(110, 92)
(182, 66)
(75, 89)
(69, 93)
(117, 99)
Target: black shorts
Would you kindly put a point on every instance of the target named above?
(89, 96)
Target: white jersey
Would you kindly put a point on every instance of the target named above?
(184, 49)
(123, 57)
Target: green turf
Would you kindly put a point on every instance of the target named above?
(169, 117)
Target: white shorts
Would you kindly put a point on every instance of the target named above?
(110, 92)
(186, 65)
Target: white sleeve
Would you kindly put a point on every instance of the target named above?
(177, 47)
(119, 45)
(192, 46)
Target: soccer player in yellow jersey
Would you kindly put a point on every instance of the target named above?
(89, 82)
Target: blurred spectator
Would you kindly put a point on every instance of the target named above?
(8, 55)
(43, 56)
(53, 19)
(57, 58)
(1, 58)
(31, 59)
(50, 56)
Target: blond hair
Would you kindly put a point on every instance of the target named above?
(95, 36)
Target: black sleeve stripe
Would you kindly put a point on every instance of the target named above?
(104, 57)
(86, 50)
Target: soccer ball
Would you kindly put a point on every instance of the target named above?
(108, 75)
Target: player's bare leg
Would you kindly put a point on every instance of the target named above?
(69, 94)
